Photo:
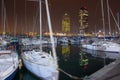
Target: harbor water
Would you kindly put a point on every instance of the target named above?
(73, 60)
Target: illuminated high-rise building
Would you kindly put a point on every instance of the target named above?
(83, 19)
(66, 23)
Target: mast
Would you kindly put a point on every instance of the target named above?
(40, 11)
(118, 19)
(15, 19)
(25, 20)
(2, 4)
(3, 16)
(103, 18)
(51, 33)
(4, 19)
(108, 11)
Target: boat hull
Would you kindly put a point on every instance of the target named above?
(11, 76)
(9, 65)
(109, 47)
(42, 71)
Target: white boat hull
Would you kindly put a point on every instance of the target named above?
(9, 65)
(45, 72)
(104, 46)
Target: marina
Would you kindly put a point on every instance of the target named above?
(42, 40)
(69, 61)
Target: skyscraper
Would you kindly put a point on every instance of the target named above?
(66, 23)
(83, 19)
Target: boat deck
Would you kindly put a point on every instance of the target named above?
(5, 67)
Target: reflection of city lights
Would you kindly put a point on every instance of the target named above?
(99, 30)
(4, 32)
(100, 33)
(61, 34)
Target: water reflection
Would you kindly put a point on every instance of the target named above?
(102, 54)
(66, 52)
(83, 60)
(24, 74)
(70, 60)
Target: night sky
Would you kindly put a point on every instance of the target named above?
(26, 15)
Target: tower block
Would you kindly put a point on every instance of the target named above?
(66, 23)
(83, 19)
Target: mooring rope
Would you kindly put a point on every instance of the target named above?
(71, 76)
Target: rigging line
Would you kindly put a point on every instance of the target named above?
(115, 19)
(97, 6)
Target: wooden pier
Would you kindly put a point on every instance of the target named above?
(108, 72)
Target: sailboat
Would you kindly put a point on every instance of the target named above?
(9, 64)
(103, 45)
(8, 59)
(40, 63)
